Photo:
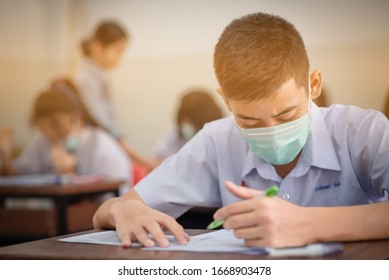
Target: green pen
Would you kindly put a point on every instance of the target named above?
(270, 192)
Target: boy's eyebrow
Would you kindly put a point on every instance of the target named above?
(286, 110)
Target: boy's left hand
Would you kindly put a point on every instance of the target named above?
(263, 221)
(64, 163)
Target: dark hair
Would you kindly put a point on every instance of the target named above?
(62, 96)
(199, 107)
(106, 33)
(50, 102)
(256, 54)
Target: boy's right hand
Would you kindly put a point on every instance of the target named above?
(135, 221)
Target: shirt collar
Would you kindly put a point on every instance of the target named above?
(323, 151)
(318, 151)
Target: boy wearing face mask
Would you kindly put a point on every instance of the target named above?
(330, 164)
(63, 144)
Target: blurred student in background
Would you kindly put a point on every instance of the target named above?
(195, 109)
(102, 52)
(63, 144)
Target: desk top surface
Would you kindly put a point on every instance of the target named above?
(51, 248)
(65, 190)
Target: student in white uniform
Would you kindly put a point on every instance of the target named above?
(331, 164)
(63, 145)
(196, 108)
(102, 52)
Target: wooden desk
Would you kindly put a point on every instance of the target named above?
(62, 196)
(51, 248)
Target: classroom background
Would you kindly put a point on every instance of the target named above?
(171, 50)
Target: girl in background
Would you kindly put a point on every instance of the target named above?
(196, 108)
(102, 52)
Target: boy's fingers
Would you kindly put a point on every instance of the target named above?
(239, 191)
(177, 230)
(244, 220)
(248, 233)
(156, 232)
(233, 209)
(124, 237)
(236, 208)
(143, 238)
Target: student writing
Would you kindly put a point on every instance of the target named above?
(331, 164)
(63, 144)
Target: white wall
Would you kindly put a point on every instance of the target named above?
(171, 50)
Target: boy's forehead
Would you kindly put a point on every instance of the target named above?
(288, 95)
(287, 90)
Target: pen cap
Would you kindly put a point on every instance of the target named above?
(311, 250)
(324, 249)
(327, 249)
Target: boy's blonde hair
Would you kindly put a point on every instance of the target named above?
(256, 54)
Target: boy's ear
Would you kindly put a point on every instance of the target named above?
(316, 84)
(220, 91)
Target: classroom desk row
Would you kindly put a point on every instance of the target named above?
(73, 213)
(51, 248)
(74, 206)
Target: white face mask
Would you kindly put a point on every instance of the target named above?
(73, 140)
(187, 130)
(279, 144)
(71, 143)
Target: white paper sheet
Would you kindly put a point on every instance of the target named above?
(28, 180)
(104, 237)
(216, 241)
(34, 180)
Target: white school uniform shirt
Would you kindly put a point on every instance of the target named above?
(98, 154)
(92, 82)
(169, 144)
(344, 162)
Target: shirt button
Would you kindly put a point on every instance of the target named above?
(286, 196)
